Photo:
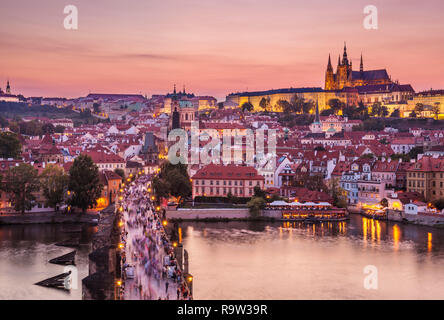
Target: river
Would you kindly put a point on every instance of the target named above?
(246, 260)
(251, 260)
(24, 254)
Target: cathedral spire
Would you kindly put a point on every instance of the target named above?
(329, 67)
(339, 60)
(344, 57)
(362, 65)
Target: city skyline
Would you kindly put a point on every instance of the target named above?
(212, 48)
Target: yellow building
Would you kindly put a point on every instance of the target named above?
(273, 96)
(428, 99)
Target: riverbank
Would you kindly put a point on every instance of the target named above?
(431, 220)
(49, 218)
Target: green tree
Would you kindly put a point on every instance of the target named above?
(84, 183)
(419, 107)
(48, 128)
(21, 182)
(120, 172)
(336, 105)
(264, 103)
(59, 129)
(314, 182)
(284, 106)
(255, 205)
(439, 204)
(297, 103)
(308, 106)
(247, 106)
(395, 114)
(376, 109)
(54, 182)
(10, 146)
(436, 109)
(338, 194)
(173, 180)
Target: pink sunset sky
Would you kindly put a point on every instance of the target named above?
(214, 47)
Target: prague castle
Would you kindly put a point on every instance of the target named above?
(346, 77)
(350, 87)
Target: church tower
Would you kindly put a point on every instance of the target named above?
(316, 126)
(329, 76)
(8, 88)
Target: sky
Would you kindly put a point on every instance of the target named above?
(213, 47)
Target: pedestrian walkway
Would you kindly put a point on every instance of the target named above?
(147, 250)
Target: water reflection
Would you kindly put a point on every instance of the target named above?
(293, 260)
(24, 254)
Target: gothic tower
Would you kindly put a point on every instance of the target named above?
(329, 76)
(8, 88)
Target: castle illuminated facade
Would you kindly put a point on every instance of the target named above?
(346, 77)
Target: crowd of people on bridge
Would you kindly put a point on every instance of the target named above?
(148, 250)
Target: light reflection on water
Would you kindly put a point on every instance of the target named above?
(24, 254)
(246, 260)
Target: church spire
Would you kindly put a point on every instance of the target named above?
(317, 118)
(329, 67)
(339, 60)
(344, 57)
(8, 88)
(362, 65)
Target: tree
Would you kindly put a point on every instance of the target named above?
(258, 192)
(10, 146)
(247, 106)
(84, 183)
(376, 109)
(384, 203)
(96, 107)
(439, 204)
(284, 106)
(336, 105)
(327, 112)
(308, 106)
(297, 103)
(436, 109)
(3, 122)
(173, 180)
(384, 112)
(264, 103)
(412, 114)
(255, 205)
(314, 182)
(419, 107)
(59, 129)
(54, 182)
(21, 182)
(395, 114)
(120, 172)
(220, 105)
(338, 194)
(161, 188)
(48, 128)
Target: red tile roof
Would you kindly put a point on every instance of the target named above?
(229, 172)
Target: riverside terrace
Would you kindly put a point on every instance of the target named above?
(308, 211)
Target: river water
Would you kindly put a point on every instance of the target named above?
(24, 254)
(245, 260)
(251, 260)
